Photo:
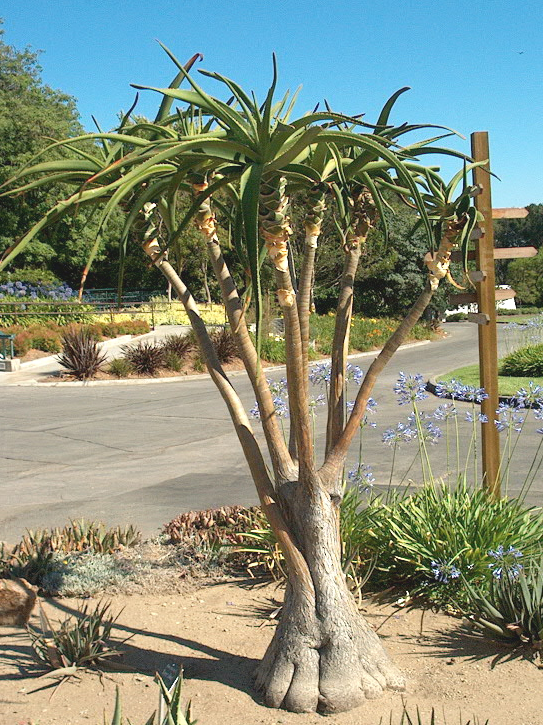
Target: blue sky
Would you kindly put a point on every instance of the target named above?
(471, 65)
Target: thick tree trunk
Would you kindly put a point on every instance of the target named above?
(323, 656)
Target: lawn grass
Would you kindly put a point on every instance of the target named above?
(506, 385)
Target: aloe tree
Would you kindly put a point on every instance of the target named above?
(243, 159)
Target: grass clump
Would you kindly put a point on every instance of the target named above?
(120, 367)
(145, 358)
(525, 362)
(172, 361)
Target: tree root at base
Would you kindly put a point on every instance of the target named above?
(303, 673)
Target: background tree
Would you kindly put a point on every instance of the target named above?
(31, 115)
(518, 233)
(526, 277)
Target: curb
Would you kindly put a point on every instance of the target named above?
(181, 378)
(431, 384)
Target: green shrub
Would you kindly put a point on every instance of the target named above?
(512, 608)
(83, 574)
(367, 333)
(120, 367)
(273, 350)
(172, 361)
(457, 317)
(519, 311)
(38, 337)
(80, 354)
(31, 277)
(181, 345)
(146, 358)
(437, 538)
(526, 362)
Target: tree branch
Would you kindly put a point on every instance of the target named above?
(340, 346)
(275, 230)
(282, 463)
(438, 268)
(296, 563)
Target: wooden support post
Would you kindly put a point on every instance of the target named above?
(488, 343)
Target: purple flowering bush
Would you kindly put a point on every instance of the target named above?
(435, 541)
(18, 300)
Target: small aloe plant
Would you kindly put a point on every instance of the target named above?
(418, 719)
(170, 709)
(76, 643)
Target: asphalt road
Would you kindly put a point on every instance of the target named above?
(144, 453)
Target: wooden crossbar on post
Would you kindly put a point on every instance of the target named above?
(486, 299)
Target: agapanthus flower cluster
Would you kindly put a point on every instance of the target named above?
(371, 406)
(458, 391)
(530, 397)
(477, 417)
(443, 571)
(445, 411)
(508, 418)
(410, 388)
(362, 476)
(23, 290)
(402, 433)
(320, 373)
(316, 402)
(505, 562)
(278, 387)
(281, 407)
(428, 429)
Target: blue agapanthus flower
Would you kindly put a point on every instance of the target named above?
(402, 433)
(529, 397)
(410, 388)
(509, 418)
(505, 562)
(362, 476)
(479, 417)
(443, 571)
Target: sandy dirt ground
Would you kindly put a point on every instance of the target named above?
(218, 632)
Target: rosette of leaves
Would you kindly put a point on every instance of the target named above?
(80, 641)
(80, 354)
